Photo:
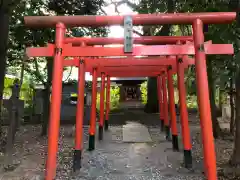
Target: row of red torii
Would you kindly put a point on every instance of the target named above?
(157, 60)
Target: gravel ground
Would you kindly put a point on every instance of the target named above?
(112, 158)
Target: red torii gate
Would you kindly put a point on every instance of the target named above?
(198, 49)
(116, 62)
(170, 65)
(117, 67)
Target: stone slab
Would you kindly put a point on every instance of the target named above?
(136, 133)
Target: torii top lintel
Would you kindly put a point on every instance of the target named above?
(140, 19)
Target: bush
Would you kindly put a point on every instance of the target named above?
(114, 98)
(143, 89)
(26, 92)
(192, 101)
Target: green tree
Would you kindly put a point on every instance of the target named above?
(216, 65)
(6, 8)
(114, 98)
(235, 158)
(146, 7)
(40, 69)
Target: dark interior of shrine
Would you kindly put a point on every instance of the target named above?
(130, 89)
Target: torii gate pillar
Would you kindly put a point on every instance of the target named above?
(102, 98)
(54, 121)
(108, 89)
(160, 101)
(92, 128)
(203, 101)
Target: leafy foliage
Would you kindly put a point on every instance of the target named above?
(75, 7)
(114, 98)
(144, 91)
(26, 92)
(20, 36)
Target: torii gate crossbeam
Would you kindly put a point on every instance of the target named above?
(157, 50)
(123, 62)
(146, 40)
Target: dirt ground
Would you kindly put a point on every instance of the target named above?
(113, 159)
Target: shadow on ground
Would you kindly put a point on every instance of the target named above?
(137, 115)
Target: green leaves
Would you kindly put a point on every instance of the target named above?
(114, 98)
(20, 36)
(144, 91)
(75, 7)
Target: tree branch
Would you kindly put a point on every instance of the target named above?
(116, 4)
(166, 28)
(182, 28)
(137, 33)
(132, 5)
(22, 69)
(27, 69)
(103, 11)
(37, 73)
(8, 5)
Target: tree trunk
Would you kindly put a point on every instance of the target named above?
(11, 130)
(13, 110)
(4, 19)
(232, 122)
(220, 100)
(211, 84)
(46, 107)
(46, 97)
(152, 95)
(235, 159)
(9, 150)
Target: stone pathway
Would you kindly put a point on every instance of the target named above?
(114, 159)
(133, 150)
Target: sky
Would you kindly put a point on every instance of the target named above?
(115, 31)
